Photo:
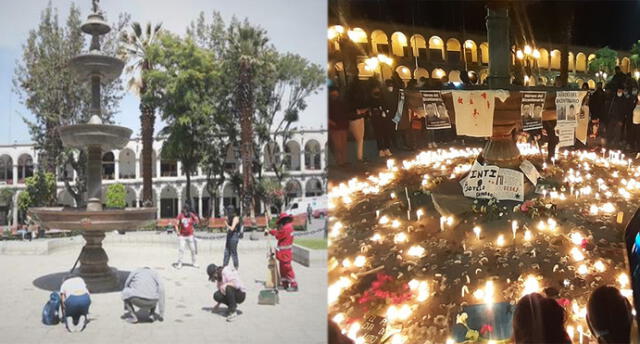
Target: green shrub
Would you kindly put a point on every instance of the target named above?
(116, 196)
(40, 191)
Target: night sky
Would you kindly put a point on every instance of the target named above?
(595, 23)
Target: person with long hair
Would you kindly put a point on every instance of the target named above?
(609, 315)
(284, 251)
(539, 319)
(233, 237)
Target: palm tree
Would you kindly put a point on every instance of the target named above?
(134, 49)
(250, 46)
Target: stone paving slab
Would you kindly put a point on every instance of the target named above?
(299, 318)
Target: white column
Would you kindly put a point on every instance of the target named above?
(14, 210)
(137, 168)
(158, 196)
(303, 165)
(221, 205)
(116, 164)
(15, 174)
(179, 167)
(200, 206)
(158, 167)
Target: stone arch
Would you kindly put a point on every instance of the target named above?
(581, 62)
(420, 73)
(168, 167)
(418, 45)
(313, 187)
(484, 52)
(230, 196)
(592, 84)
(404, 72)
(555, 59)
(454, 50)
(357, 35)
(363, 71)
(543, 61)
(6, 169)
(471, 51)
(572, 61)
(313, 155)
(399, 44)
(292, 155)
(292, 189)
(169, 206)
(25, 167)
(131, 197)
(195, 194)
(454, 76)
(232, 158)
(379, 42)
(127, 164)
(438, 73)
(625, 64)
(436, 48)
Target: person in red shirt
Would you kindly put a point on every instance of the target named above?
(284, 251)
(185, 223)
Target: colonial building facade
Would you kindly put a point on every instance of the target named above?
(416, 52)
(304, 155)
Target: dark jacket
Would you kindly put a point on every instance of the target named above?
(596, 104)
(338, 114)
(618, 108)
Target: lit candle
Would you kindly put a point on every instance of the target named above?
(419, 213)
(477, 230)
(442, 222)
(514, 227)
(500, 241)
(377, 214)
(527, 235)
(620, 217)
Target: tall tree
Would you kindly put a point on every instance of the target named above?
(182, 88)
(134, 48)
(605, 61)
(50, 91)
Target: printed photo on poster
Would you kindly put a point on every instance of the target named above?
(568, 104)
(531, 109)
(437, 114)
(510, 185)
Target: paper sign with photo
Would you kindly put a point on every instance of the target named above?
(568, 104)
(531, 109)
(510, 185)
(437, 114)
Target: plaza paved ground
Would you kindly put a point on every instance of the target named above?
(299, 318)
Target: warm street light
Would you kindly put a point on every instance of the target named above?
(536, 54)
(519, 54)
(335, 31)
(636, 74)
(527, 49)
(356, 34)
(385, 59)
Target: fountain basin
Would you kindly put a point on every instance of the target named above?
(94, 63)
(106, 136)
(100, 221)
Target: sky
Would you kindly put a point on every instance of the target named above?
(595, 23)
(296, 26)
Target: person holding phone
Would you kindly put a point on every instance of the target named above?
(230, 291)
(185, 223)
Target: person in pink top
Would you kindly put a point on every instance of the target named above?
(230, 289)
(185, 223)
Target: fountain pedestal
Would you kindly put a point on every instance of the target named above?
(94, 269)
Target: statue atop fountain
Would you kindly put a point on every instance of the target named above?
(95, 137)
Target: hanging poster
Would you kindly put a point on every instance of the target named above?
(531, 109)
(480, 182)
(510, 185)
(530, 171)
(582, 125)
(566, 133)
(474, 111)
(398, 115)
(568, 105)
(437, 114)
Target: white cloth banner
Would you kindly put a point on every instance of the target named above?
(474, 111)
(510, 185)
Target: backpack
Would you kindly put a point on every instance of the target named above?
(51, 310)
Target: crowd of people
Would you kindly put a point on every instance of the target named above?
(613, 110)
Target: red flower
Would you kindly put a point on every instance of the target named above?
(584, 243)
(564, 302)
(486, 328)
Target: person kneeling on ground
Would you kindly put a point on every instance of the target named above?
(144, 289)
(75, 302)
(230, 291)
(609, 315)
(284, 251)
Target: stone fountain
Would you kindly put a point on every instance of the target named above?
(95, 137)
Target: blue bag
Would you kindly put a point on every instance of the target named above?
(51, 310)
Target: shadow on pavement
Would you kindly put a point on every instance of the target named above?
(52, 282)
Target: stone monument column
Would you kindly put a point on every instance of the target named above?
(499, 42)
(94, 178)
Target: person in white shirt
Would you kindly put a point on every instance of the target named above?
(75, 302)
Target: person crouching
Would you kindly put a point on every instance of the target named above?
(230, 291)
(143, 289)
(75, 301)
(284, 251)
